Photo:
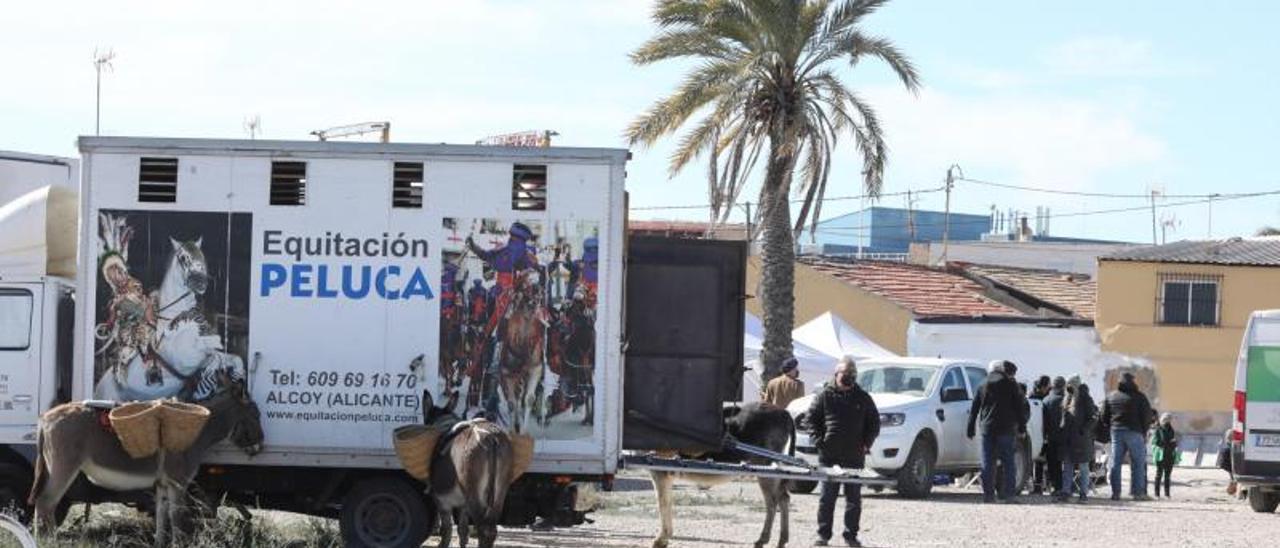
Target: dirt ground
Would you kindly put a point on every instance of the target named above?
(1200, 514)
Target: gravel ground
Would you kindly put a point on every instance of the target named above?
(1200, 514)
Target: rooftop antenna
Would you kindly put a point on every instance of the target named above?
(253, 125)
(101, 61)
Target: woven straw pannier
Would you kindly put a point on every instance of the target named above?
(180, 424)
(522, 454)
(415, 444)
(137, 425)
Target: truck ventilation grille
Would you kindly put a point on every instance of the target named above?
(288, 183)
(406, 185)
(158, 180)
(529, 188)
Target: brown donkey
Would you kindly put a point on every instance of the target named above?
(470, 474)
(70, 440)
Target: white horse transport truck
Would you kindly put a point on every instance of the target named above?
(343, 280)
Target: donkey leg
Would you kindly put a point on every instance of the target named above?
(59, 475)
(464, 527)
(488, 534)
(662, 488)
(446, 526)
(162, 515)
(784, 505)
(767, 490)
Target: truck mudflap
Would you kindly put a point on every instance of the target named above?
(773, 470)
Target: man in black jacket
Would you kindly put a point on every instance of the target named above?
(1127, 412)
(1002, 411)
(843, 423)
(1053, 442)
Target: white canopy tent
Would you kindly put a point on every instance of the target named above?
(38, 234)
(815, 365)
(831, 335)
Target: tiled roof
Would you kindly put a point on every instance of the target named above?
(924, 291)
(1235, 251)
(1075, 292)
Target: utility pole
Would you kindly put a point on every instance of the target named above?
(946, 215)
(1211, 197)
(1154, 193)
(101, 60)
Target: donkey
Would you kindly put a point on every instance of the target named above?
(470, 474)
(758, 424)
(71, 440)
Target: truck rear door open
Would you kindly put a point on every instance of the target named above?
(684, 322)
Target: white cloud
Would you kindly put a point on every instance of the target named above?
(1058, 142)
(1108, 57)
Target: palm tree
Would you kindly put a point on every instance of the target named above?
(766, 81)
(1267, 231)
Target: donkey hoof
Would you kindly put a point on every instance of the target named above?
(659, 543)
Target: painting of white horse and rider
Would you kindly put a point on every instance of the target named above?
(172, 303)
(518, 323)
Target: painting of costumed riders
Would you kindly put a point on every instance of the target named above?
(171, 302)
(518, 326)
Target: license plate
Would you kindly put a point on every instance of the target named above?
(1268, 440)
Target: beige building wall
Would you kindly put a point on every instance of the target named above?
(1195, 365)
(879, 319)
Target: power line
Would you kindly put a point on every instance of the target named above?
(1144, 196)
(1086, 213)
(800, 200)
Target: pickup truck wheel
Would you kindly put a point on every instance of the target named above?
(1022, 467)
(915, 479)
(1263, 501)
(801, 487)
(385, 512)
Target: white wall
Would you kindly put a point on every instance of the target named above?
(1037, 350)
(21, 173)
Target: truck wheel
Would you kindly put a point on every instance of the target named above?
(1022, 467)
(801, 487)
(915, 479)
(385, 512)
(1263, 501)
(15, 485)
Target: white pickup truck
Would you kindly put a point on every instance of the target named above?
(924, 410)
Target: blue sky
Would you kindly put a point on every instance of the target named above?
(1088, 96)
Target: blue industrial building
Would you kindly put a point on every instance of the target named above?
(878, 230)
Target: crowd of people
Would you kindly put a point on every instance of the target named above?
(844, 422)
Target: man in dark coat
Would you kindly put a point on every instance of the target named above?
(1001, 409)
(1127, 412)
(1076, 434)
(1052, 412)
(843, 423)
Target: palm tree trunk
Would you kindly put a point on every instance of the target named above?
(777, 257)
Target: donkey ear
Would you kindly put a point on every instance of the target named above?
(174, 242)
(199, 240)
(427, 402)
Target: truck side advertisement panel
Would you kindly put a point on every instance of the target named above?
(345, 316)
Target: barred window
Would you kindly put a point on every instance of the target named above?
(1190, 299)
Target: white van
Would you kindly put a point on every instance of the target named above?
(1255, 436)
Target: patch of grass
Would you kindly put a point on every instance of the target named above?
(119, 527)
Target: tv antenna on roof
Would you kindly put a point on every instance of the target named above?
(101, 61)
(253, 125)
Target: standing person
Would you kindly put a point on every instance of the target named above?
(844, 423)
(1127, 412)
(1164, 447)
(1053, 434)
(785, 388)
(1076, 425)
(1000, 408)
